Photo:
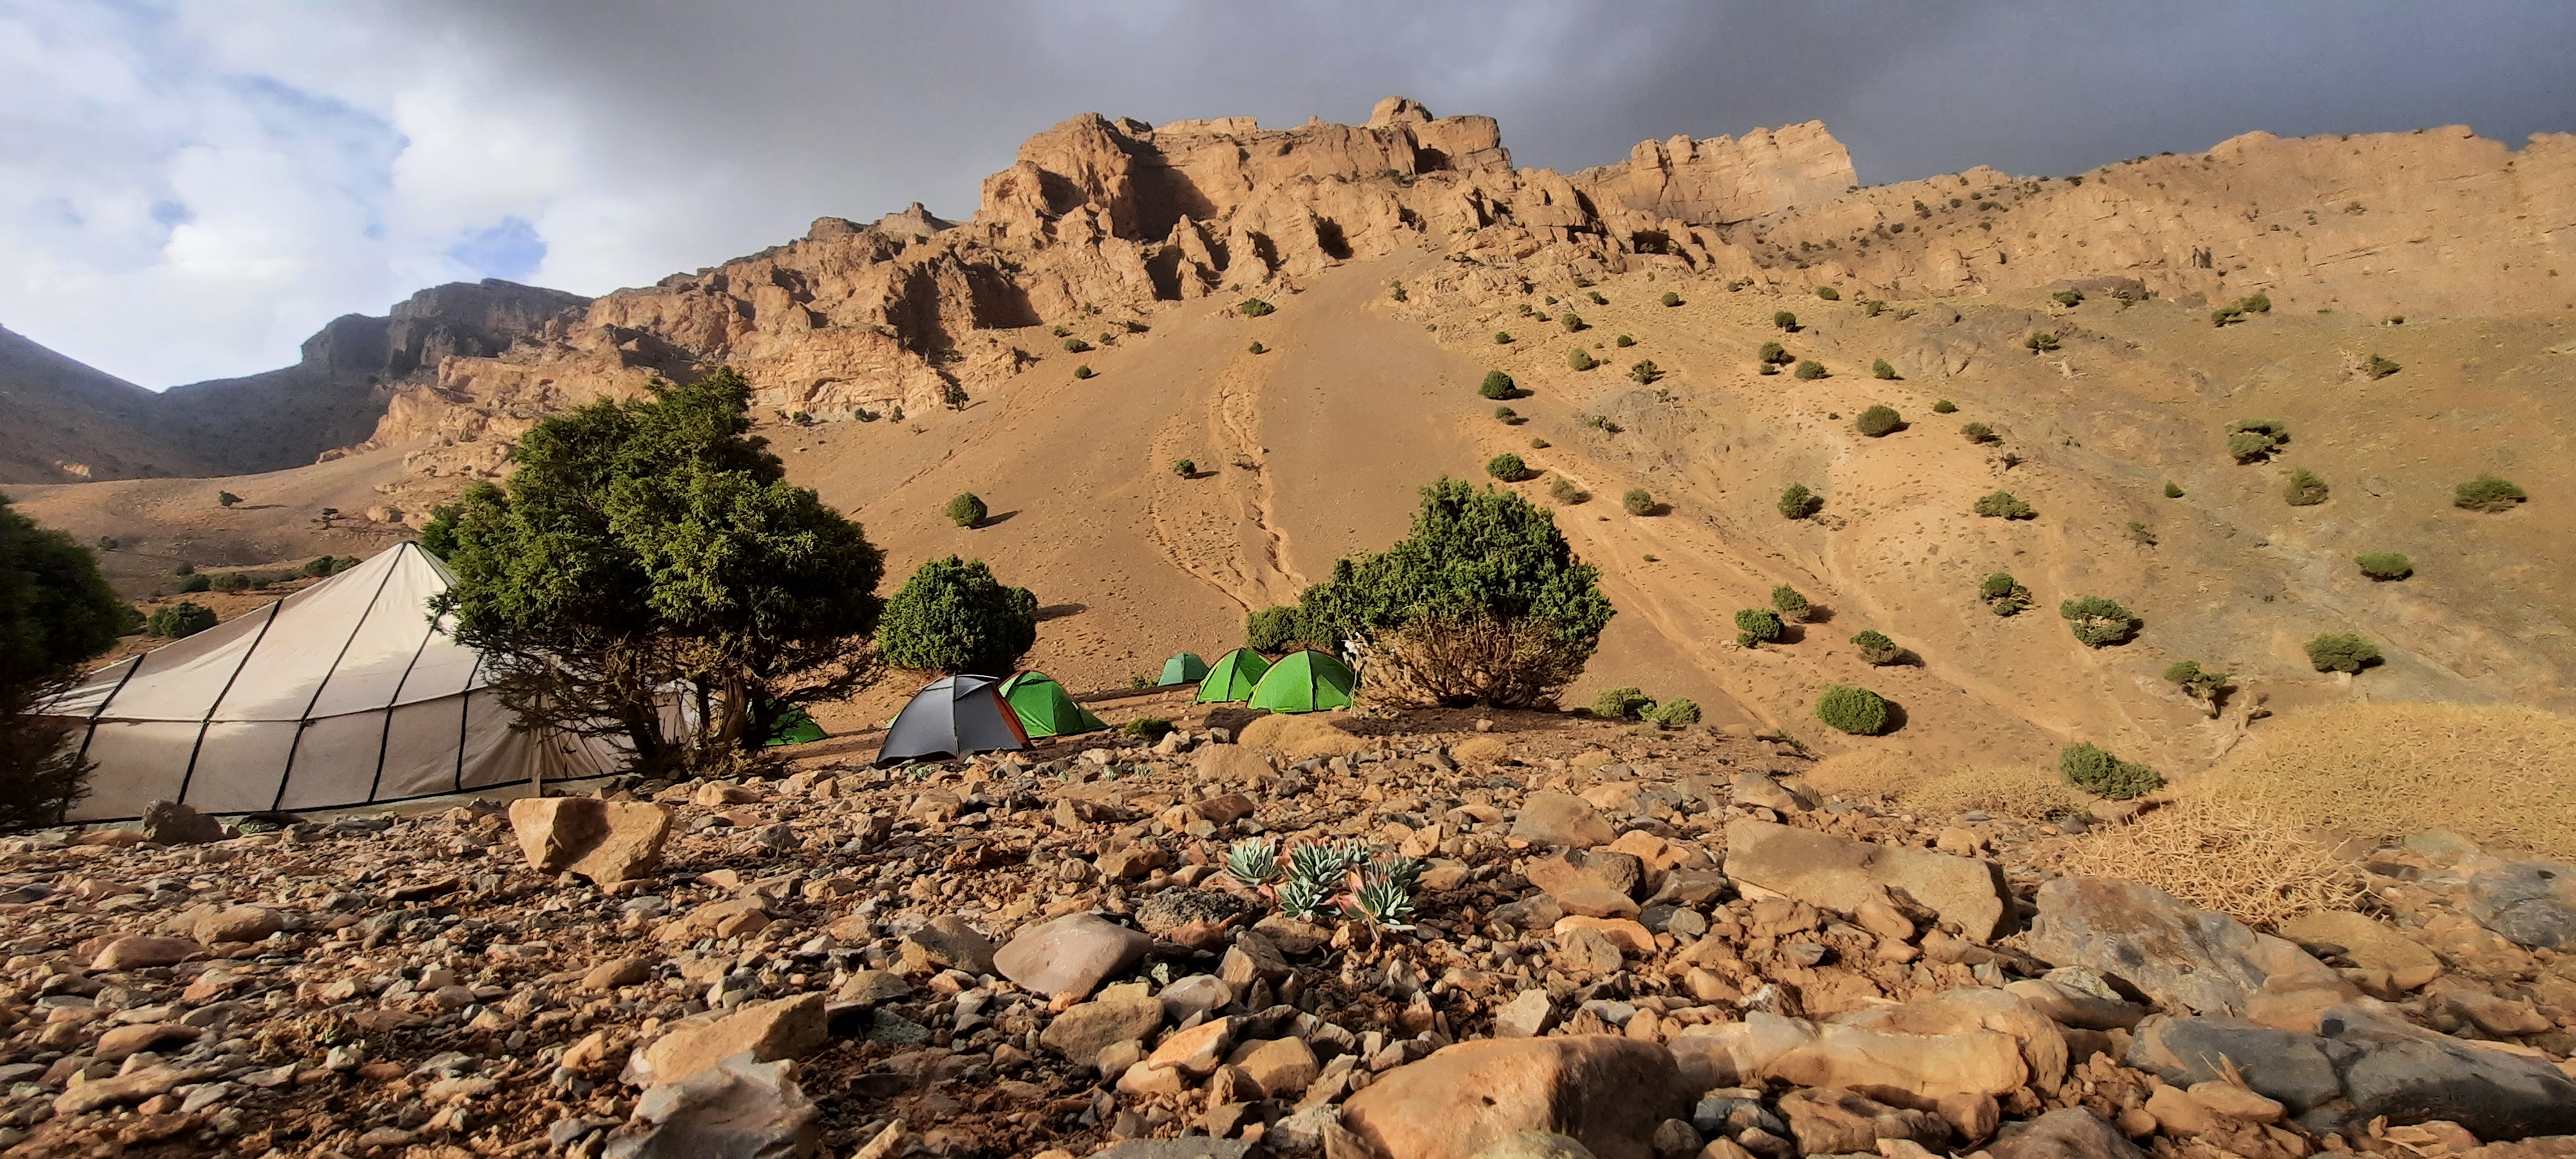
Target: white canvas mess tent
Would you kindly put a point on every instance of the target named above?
(341, 694)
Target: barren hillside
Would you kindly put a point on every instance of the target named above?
(1132, 249)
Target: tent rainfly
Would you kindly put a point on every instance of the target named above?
(952, 717)
(1045, 709)
(1185, 668)
(1305, 682)
(344, 693)
(1231, 678)
(797, 727)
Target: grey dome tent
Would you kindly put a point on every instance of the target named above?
(344, 693)
(952, 717)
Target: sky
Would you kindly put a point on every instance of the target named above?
(190, 188)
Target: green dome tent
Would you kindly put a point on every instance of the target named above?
(796, 728)
(1045, 708)
(1231, 679)
(1305, 682)
(1185, 668)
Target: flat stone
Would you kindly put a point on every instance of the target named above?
(1282, 1067)
(1536, 1145)
(135, 953)
(1610, 1094)
(117, 1044)
(241, 923)
(2367, 944)
(783, 1028)
(734, 1108)
(1186, 1147)
(1073, 954)
(2142, 938)
(2071, 1133)
(2413, 1075)
(1596, 903)
(946, 942)
(1885, 1062)
(2283, 1065)
(618, 972)
(1835, 1122)
(1841, 874)
(1527, 1015)
(1581, 869)
(1561, 819)
(2532, 903)
(1196, 1051)
(1082, 1032)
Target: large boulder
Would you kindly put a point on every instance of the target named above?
(172, 823)
(1607, 1093)
(2043, 1047)
(1841, 874)
(1888, 1065)
(2412, 1075)
(2142, 938)
(2533, 903)
(605, 841)
(738, 1109)
(783, 1028)
(1072, 954)
(1826, 1121)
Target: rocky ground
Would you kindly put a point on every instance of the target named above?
(1645, 943)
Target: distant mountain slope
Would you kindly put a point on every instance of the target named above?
(68, 422)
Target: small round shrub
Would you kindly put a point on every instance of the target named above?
(2385, 565)
(1621, 703)
(1645, 373)
(1878, 422)
(1811, 369)
(1502, 337)
(1797, 502)
(1580, 359)
(1679, 712)
(1507, 467)
(180, 620)
(1670, 298)
(1945, 407)
(1767, 368)
(1853, 709)
(1596, 299)
(196, 583)
(2040, 342)
(1883, 369)
(1564, 491)
(1082, 372)
(1571, 321)
(2004, 596)
(1829, 293)
(2093, 769)
(2303, 489)
(1539, 444)
(2173, 490)
(2098, 621)
(1876, 648)
(1185, 467)
(1785, 320)
(1624, 341)
(2002, 505)
(233, 581)
(226, 499)
(1258, 348)
(1755, 627)
(1977, 432)
(1255, 307)
(2068, 297)
(1638, 501)
(1075, 346)
(2379, 367)
(1791, 604)
(1508, 416)
(2342, 652)
(1498, 385)
(2486, 493)
(1147, 728)
(966, 510)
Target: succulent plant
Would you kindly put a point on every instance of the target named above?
(1405, 872)
(1301, 897)
(1318, 865)
(1254, 862)
(1383, 902)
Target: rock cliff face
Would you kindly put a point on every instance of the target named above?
(1100, 219)
(68, 422)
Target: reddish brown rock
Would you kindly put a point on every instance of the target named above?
(1610, 1094)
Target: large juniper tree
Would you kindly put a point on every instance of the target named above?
(648, 547)
(1483, 602)
(56, 611)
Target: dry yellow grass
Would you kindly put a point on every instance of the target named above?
(1481, 749)
(1867, 774)
(2502, 775)
(2024, 793)
(2220, 854)
(1298, 737)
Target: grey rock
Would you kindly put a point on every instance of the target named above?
(172, 823)
(947, 941)
(2072, 1133)
(2142, 938)
(736, 1109)
(2413, 1075)
(2280, 1064)
(1755, 791)
(1195, 996)
(1527, 1015)
(2532, 903)
(1073, 953)
(1561, 819)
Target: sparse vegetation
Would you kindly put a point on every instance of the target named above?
(1755, 627)
(1580, 359)
(2173, 490)
(1638, 501)
(1945, 407)
(2206, 685)
(1670, 298)
(1502, 337)
(1498, 385)
(1644, 373)
(1853, 709)
(1149, 729)
(2140, 534)
(2384, 566)
(1883, 369)
(1978, 433)
(1810, 369)
(1786, 321)
(1076, 346)
(1596, 299)
(56, 612)
(1797, 502)
(1621, 704)
(953, 616)
(1872, 307)
(226, 499)
(2253, 440)
(1257, 348)
(2069, 298)
(2095, 770)
(232, 581)
(1679, 712)
(1185, 467)
(1273, 629)
(1255, 307)
(2487, 493)
(1878, 422)
(2342, 652)
(2303, 489)
(2002, 505)
(967, 510)
(1766, 369)
(2098, 621)
(1082, 371)
(1829, 293)
(1876, 649)
(1564, 491)
(1624, 341)
(1572, 322)
(2495, 773)
(1773, 354)
(196, 583)
(180, 620)
(2040, 342)
(1790, 603)
(1508, 417)
(1507, 467)
(2378, 368)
